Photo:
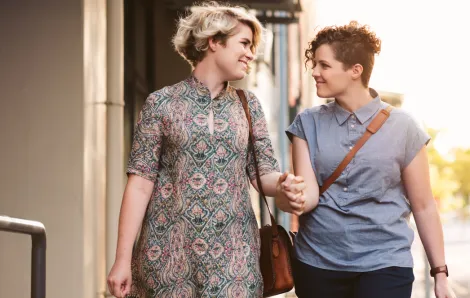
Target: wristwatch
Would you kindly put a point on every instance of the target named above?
(439, 269)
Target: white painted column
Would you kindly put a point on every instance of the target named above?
(115, 125)
(94, 200)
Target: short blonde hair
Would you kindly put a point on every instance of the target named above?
(211, 20)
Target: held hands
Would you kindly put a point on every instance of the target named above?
(292, 188)
(120, 279)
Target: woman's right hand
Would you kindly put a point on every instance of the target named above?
(120, 279)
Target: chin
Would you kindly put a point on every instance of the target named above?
(325, 94)
(238, 76)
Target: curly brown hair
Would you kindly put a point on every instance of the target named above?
(352, 44)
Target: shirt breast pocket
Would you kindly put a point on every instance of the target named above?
(372, 177)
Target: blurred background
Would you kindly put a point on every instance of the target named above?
(75, 73)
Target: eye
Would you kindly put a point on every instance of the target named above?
(245, 43)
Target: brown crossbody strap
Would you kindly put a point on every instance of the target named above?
(242, 96)
(373, 127)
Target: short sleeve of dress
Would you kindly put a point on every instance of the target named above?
(146, 146)
(416, 138)
(267, 163)
(296, 129)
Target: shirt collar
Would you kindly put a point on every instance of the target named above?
(202, 89)
(363, 114)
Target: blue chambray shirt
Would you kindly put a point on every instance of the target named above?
(362, 221)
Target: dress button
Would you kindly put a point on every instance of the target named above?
(350, 147)
(345, 189)
(352, 125)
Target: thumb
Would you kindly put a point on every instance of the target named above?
(283, 177)
(299, 179)
(126, 289)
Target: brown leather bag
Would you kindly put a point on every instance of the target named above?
(276, 244)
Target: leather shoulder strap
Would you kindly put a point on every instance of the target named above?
(373, 127)
(244, 101)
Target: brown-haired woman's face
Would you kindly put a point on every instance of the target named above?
(330, 75)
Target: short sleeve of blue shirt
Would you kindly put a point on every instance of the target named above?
(296, 128)
(416, 138)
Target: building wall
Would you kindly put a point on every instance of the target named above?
(41, 133)
(169, 66)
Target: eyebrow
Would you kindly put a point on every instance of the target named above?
(322, 61)
(246, 39)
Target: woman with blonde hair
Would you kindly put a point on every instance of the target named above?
(190, 168)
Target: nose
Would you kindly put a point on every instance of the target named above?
(249, 55)
(315, 72)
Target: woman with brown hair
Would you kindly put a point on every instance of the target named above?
(355, 237)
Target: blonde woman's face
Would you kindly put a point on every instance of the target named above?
(233, 58)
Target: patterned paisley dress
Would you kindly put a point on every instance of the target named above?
(199, 236)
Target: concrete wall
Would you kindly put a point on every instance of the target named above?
(41, 133)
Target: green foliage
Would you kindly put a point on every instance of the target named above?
(461, 166)
(450, 177)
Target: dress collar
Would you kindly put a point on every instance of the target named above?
(202, 89)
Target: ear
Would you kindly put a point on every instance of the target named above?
(213, 44)
(357, 70)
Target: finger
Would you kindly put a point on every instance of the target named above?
(296, 206)
(297, 188)
(127, 289)
(280, 181)
(301, 199)
(117, 290)
(283, 177)
(299, 179)
(110, 286)
(288, 181)
(295, 197)
(292, 197)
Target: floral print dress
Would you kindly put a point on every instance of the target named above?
(199, 236)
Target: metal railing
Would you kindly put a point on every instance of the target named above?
(38, 251)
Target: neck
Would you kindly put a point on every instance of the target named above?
(354, 98)
(207, 74)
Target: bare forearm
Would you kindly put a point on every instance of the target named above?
(133, 208)
(269, 183)
(311, 198)
(430, 231)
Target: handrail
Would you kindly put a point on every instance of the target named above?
(38, 251)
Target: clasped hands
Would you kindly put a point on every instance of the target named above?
(290, 188)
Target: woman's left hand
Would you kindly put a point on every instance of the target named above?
(442, 288)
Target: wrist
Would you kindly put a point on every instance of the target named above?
(123, 258)
(440, 277)
(439, 271)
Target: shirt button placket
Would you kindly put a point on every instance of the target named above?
(352, 130)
